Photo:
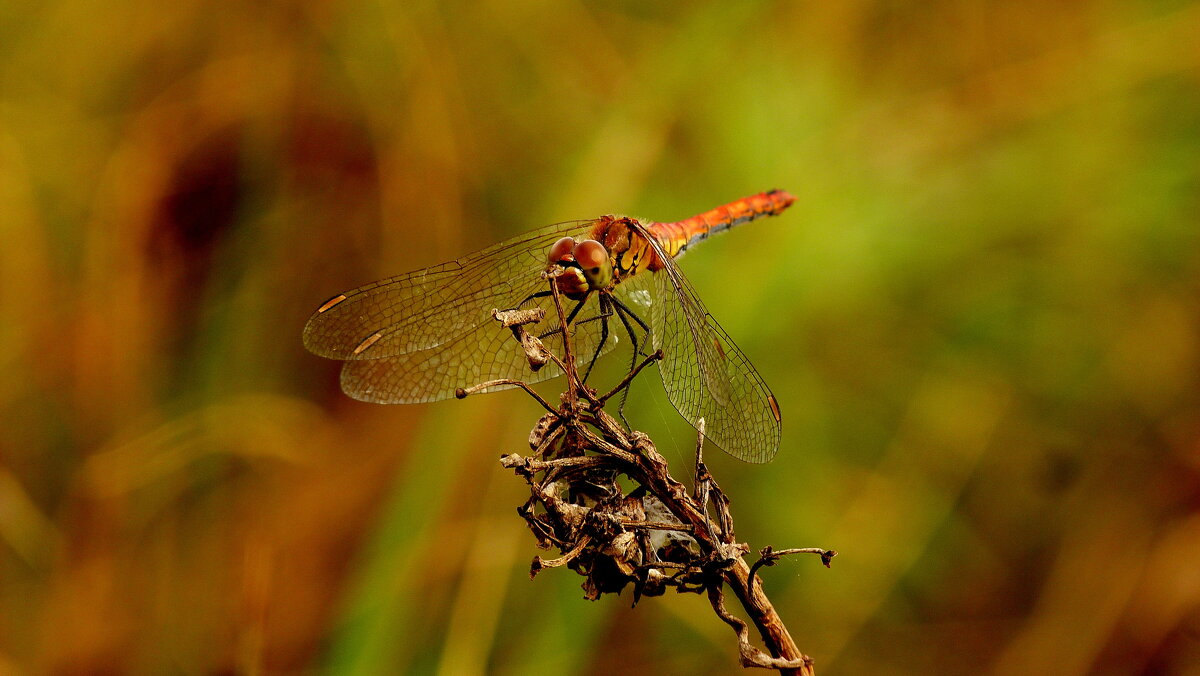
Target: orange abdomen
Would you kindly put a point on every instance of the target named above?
(678, 236)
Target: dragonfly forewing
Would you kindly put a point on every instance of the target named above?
(420, 336)
(427, 308)
(482, 353)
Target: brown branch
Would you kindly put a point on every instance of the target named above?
(631, 375)
(464, 392)
(513, 460)
(800, 664)
(657, 525)
(539, 563)
(769, 557)
(568, 357)
(659, 535)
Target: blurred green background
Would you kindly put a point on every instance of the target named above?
(981, 319)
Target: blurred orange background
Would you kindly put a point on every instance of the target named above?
(981, 320)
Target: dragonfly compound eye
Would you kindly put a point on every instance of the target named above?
(592, 258)
(560, 251)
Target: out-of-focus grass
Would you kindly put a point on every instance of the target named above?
(980, 318)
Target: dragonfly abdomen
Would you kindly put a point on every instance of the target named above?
(678, 236)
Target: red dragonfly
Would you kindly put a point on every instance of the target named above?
(420, 336)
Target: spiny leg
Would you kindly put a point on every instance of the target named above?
(570, 318)
(631, 314)
(606, 311)
(623, 313)
(539, 294)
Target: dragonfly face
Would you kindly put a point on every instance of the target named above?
(586, 264)
(592, 258)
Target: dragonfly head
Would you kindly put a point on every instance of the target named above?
(588, 257)
(592, 259)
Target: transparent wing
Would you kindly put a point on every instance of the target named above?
(426, 308)
(484, 352)
(419, 336)
(704, 373)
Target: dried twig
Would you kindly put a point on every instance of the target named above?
(632, 374)
(654, 537)
(464, 392)
(769, 557)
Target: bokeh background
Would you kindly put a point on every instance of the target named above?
(981, 317)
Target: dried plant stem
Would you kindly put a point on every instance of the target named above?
(770, 627)
(464, 392)
(656, 536)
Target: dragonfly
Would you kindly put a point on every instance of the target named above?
(421, 336)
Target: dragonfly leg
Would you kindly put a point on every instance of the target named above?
(606, 311)
(539, 294)
(570, 318)
(624, 313)
(631, 314)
